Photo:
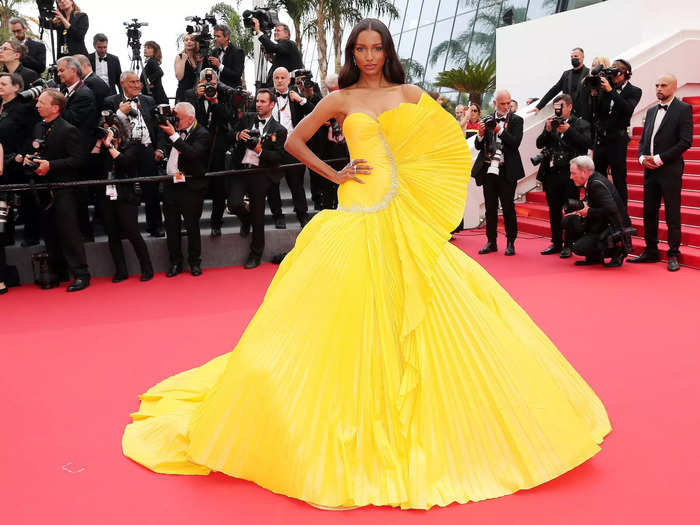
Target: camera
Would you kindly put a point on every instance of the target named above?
(209, 88)
(163, 114)
(573, 205)
(557, 119)
(598, 72)
(267, 17)
(336, 130)
(107, 117)
(490, 123)
(199, 29)
(4, 213)
(36, 89)
(544, 154)
(46, 13)
(38, 145)
(304, 75)
(252, 142)
(133, 34)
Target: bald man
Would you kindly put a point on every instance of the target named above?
(668, 132)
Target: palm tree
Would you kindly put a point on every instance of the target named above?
(8, 9)
(298, 11)
(240, 36)
(414, 71)
(475, 79)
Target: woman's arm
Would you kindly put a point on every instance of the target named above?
(179, 66)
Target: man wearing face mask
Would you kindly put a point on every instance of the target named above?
(569, 83)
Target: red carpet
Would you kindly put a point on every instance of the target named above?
(69, 385)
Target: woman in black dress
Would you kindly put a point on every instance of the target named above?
(152, 75)
(71, 26)
(186, 67)
(115, 157)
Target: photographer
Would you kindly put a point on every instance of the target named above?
(333, 146)
(61, 156)
(259, 144)
(11, 55)
(498, 168)
(290, 108)
(114, 156)
(184, 195)
(595, 228)
(285, 52)
(71, 25)
(569, 83)
(98, 86)
(5, 227)
(214, 112)
(563, 138)
(105, 65)
(612, 110)
(35, 59)
(186, 66)
(152, 75)
(226, 58)
(137, 109)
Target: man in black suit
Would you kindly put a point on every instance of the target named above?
(285, 52)
(105, 65)
(226, 58)
(11, 54)
(267, 153)
(289, 109)
(98, 86)
(36, 50)
(668, 132)
(137, 109)
(568, 140)
(218, 116)
(64, 156)
(612, 110)
(600, 219)
(500, 178)
(183, 197)
(568, 84)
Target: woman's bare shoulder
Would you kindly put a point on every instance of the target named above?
(412, 93)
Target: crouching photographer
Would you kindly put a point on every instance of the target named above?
(564, 137)
(114, 157)
(596, 226)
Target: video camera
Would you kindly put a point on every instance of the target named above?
(107, 117)
(199, 29)
(267, 17)
(36, 89)
(163, 114)
(304, 75)
(46, 13)
(599, 72)
(133, 33)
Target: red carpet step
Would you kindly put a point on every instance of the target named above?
(690, 182)
(688, 197)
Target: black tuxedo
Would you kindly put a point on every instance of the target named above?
(145, 105)
(98, 88)
(256, 185)
(555, 175)
(74, 37)
(569, 84)
(28, 75)
(16, 127)
(114, 70)
(184, 200)
(673, 137)
(502, 186)
(36, 55)
(81, 111)
(286, 54)
(232, 61)
(151, 78)
(64, 150)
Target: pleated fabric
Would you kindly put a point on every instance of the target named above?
(384, 366)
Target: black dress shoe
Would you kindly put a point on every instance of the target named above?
(551, 250)
(157, 232)
(673, 265)
(488, 248)
(146, 275)
(565, 252)
(252, 262)
(49, 285)
(174, 270)
(245, 229)
(510, 248)
(195, 270)
(119, 277)
(646, 257)
(215, 232)
(26, 243)
(280, 223)
(4, 290)
(79, 284)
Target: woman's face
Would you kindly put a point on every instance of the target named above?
(474, 113)
(369, 52)
(147, 51)
(7, 89)
(64, 5)
(189, 42)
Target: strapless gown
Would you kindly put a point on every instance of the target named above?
(384, 366)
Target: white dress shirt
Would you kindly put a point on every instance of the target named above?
(171, 167)
(139, 129)
(251, 157)
(101, 68)
(660, 116)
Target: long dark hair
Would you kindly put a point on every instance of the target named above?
(392, 70)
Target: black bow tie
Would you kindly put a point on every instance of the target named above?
(101, 59)
(500, 119)
(283, 95)
(135, 99)
(662, 106)
(260, 121)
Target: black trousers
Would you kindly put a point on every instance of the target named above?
(558, 189)
(121, 217)
(217, 190)
(151, 191)
(295, 181)
(612, 152)
(497, 188)
(31, 215)
(182, 202)
(583, 242)
(61, 233)
(668, 187)
(256, 186)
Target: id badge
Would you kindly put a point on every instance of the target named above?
(64, 49)
(111, 192)
(178, 177)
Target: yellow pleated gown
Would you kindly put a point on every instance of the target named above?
(384, 366)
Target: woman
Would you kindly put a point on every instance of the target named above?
(115, 157)
(186, 67)
(71, 26)
(470, 125)
(152, 74)
(405, 375)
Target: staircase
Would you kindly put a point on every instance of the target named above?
(533, 214)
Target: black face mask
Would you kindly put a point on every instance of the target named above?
(575, 62)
